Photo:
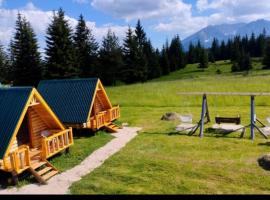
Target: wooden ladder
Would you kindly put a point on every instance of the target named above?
(42, 170)
(112, 128)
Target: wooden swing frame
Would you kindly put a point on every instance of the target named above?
(205, 110)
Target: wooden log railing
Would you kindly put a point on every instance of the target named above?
(57, 142)
(100, 120)
(18, 160)
(114, 113)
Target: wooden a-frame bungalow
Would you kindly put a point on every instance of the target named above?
(30, 133)
(80, 103)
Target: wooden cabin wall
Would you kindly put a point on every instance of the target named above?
(100, 103)
(37, 125)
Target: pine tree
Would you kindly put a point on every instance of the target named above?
(266, 57)
(154, 70)
(164, 61)
(247, 65)
(4, 66)
(215, 50)
(223, 51)
(252, 45)
(203, 59)
(110, 56)
(191, 55)
(60, 53)
(198, 50)
(26, 61)
(140, 36)
(86, 49)
(131, 67)
(176, 54)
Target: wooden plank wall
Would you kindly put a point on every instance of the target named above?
(38, 125)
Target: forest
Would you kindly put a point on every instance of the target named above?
(76, 54)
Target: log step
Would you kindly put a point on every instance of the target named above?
(112, 128)
(38, 164)
(45, 170)
(49, 175)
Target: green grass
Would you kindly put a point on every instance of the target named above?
(83, 147)
(158, 161)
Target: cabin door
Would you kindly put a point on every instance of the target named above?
(23, 136)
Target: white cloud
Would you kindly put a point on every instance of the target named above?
(40, 20)
(177, 16)
(134, 9)
(81, 1)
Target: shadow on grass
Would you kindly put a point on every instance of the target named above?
(83, 133)
(23, 179)
(210, 133)
(264, 144)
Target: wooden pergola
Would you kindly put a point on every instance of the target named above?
(204, 112)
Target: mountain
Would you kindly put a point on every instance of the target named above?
(226, 31)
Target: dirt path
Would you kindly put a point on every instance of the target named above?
(60, 183)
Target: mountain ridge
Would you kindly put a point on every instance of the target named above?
(226, 31)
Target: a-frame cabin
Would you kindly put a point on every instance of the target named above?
(80, 103)
(30, 133)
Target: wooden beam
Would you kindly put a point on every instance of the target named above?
(225, 93)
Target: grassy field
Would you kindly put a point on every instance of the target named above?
(160, 161)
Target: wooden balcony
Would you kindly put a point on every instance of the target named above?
(104, 118)
(113, 113)
(18, 160)
(57, 142)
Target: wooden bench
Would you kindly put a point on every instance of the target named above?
(229, 125)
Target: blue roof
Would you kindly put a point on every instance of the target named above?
(12, 103)
(70, 99)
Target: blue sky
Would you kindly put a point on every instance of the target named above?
(161, 18)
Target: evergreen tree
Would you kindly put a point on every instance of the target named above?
(247, 65)
(140, 37)
(198, 50)
(203, 59)
(252, 45)
(110, 56)
(176, 54)
(132, 71)
(4, 66)
(86, 49)
(60, 53)
(191, 55)
(164, 61)
(260, 44)
(154, 70)
(215, 49)
(26, 61)
(266, 57)
(235, 50)
(223, 51)
(243, 62)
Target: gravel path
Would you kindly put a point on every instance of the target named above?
(60, 183)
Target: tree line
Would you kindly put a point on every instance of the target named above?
(76, 54)
(238, 49)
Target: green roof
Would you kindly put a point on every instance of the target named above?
(70, 99)
(12, 103)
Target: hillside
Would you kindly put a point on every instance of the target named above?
(160, 161)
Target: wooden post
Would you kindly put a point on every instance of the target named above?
(15, 179)
(202, 115)
(252, 112)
